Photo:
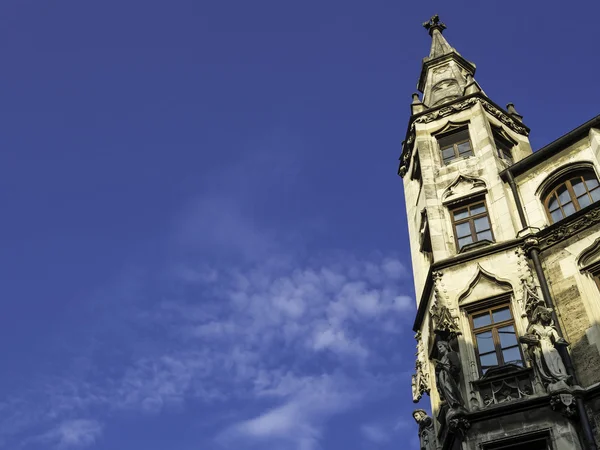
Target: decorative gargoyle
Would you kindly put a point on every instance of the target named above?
(426, 431)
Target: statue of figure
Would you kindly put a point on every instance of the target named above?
(447, 370)
(541, 339)
(426, 432)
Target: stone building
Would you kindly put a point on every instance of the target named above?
(505, 247)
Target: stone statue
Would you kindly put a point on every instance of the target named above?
(542, 339)
(426, 432)
(447, 371)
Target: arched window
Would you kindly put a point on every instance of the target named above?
(570, 193)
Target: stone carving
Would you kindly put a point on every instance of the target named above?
(541, 340)
(565, 404)
(426, 431)
(569, 229)
(442, 320)
(464, 185)
(420, 380)
(459, 425)
(504, 118)
(505, 384)
(447, 110)
(447, 375)
(531, 300)
(434, 22)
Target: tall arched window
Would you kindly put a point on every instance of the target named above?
(570, 193)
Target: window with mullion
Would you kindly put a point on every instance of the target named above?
(455, 145)
(571, 195)
(471, 224)
(496, 338)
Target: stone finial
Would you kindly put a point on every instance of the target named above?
(510, 107)
(434, 24)
(417, 106)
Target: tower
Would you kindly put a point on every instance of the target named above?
(505, 328)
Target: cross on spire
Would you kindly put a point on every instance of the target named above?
(434, 24)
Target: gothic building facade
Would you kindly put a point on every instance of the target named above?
(505, 247)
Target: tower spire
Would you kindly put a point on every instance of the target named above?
(439, 44)
(445, 74)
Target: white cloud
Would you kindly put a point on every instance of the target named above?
(73, 433)
(298, 422)
(238, 318)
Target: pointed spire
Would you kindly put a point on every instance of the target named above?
(445, 74)
(416, 106)
(439, 44)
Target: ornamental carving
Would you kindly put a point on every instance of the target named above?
(569, 229)
(565, 404)
(420, 380)
(442, 321)
(407, 147)
(504, 384)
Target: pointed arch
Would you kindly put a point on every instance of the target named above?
(463, 186)
(450, 127)
(484, 285)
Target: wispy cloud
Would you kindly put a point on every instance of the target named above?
(298, 339)
(73, 433)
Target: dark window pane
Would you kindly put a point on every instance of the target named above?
(489, 360)
(477, 209)
(464, 149)
(595, 194)
(453, 138)
(501, 315)
(463, 229)
(461, 214)
(553, 203)
(485, 342)
(448, 153)
(590, 181)
(511, 355)
(563, 195)
(568, 209)
(557, 215)
(485, 236)
(508, 337)
(481, 320)
(578, 186)
(584, 200)
(482, 224)
(464, 241)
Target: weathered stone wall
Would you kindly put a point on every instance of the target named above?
(578, 314)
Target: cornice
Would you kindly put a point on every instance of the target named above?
(458, 105)
(569, 226)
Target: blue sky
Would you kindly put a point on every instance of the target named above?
(203, 234)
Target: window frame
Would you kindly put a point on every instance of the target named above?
(455, 144)
(470, 220)
(565, 180)
(490, 306)
(506, 145)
